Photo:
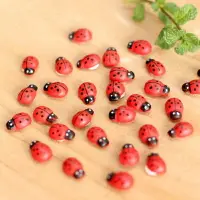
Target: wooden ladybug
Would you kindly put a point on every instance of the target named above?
(61, 132)
(120, 180)
(122, 114)
(83, 118)
(155, 165)
(90, 62)
(155, 67)
(19, 122)
(129, 156)
(87, 93)
(141, 47)
(181, 130)
(121, 74)
(81, 35)
(149, 135)
(138, 103)
(44, 115)
(115, 91)
(73, 167)
(40, 152)
(56, 89)
(97, 136)
(63, 66)
(111, 57)
(30, 65)
(192, 87)
(27, 95)
(156, 88)
(174, 109)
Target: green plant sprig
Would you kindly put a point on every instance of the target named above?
(172, 35)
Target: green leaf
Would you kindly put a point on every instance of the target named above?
(160, 2)
(155, 6)
(185, 13)
(138, 12)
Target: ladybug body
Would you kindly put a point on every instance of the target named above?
(44, 115)
(156, 88)
(30, 65)
(111, 57)
(97, 136)
(83, 118)
(121, 74)
(155, 165)
(19, 122)
(27, 95)
(141, 47)
(56, 89)
(155, 67)
(73, 167)
(63, 66)
(122, 114)
(115, 91)
(40, 152)
(174, 109)
(81, 35)
(192, 87)
(129, 156)
(149, 135)
(60, 132)
(181, 130)
(120, 180)
(87, 93)
(90, 62)
(138, 103)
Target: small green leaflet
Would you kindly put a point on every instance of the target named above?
(157, 4)
(160, 2)
(138, 12)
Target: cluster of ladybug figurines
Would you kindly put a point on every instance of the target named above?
(87, 93)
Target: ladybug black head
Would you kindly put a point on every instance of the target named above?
(175, 115)
(114, 96)
(33, 86)
(166, 89)
(109, 176)
(103, 142)
(126, 146)
(171, 133)
(198, 73)
(89, 110)
(69, 135)
(52, 118)
(112, 114)
(149, 60)
(89, 100)
(46, 86)
(59, 58)
(33, 143)
(186, 87)
(78, 64)
(146, 107)
(111, 49)
(10, 124)
(71, 36)
(79, 174)
(130, 44)
(29, 71)
(153, 154)
(152, 141)
(131, 75)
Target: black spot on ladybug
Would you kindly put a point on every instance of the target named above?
(59, 68)
(59, 135)
(85, 62)
(91, 89)
(197, 85)
(150, 87)
(52, 133)
(169, 106)
(20, 122)
(51, 88)
(135, 104)
(81, 119)
(118, 87)
(142, 47)
(92, 59)
(38, 154)
(28, 96)
(86, 114)
(36, 113)
(88, 58)
(195, 89)
(27, 119)
(114, 75)
(82, 114)
(127, 114)
(120, 114)
(26, 90)
(58, 90)
(81, 93)
(88, 87)
(157, 88)
(41, 111)
(82, 89)
(154, 70)
(135, 46)
(42, 115)
(118, 73)
(57, 130)
(171, 102)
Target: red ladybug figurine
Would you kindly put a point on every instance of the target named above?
(155, 67)
(73, 167)
(156, 88)
(149, 135)
(83, 118)
(129, 156)
(115, 91)
(87, 93)
(138, 103)
(122, 114)
(19, 122)
(27, 95)
(120, 180)
(40, 152)
(60, 132)
(141, 47)
(111, 57)
(30, 65)
(155, 165)
(180, 130)
(44, 115)
(97, 136)
(174, 109)
(91, 62)
(63, 66)
(56, 89)
(81, 35)
(192, 87)
(121, 74)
